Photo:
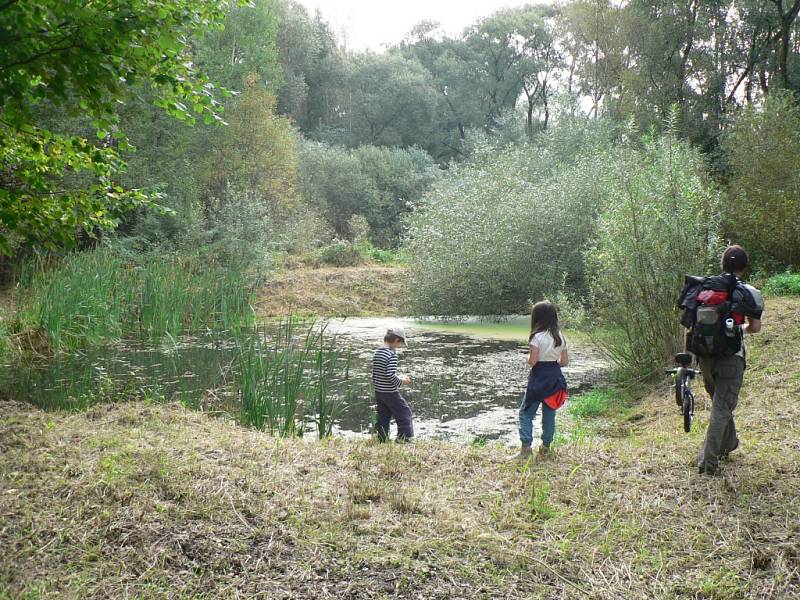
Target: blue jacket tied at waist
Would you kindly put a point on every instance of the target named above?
(544, 380)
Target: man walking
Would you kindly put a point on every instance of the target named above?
(723, 370)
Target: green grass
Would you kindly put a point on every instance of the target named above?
(783, 284)
(603, 402)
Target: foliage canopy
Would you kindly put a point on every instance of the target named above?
(85, 57)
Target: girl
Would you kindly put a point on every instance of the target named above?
(546, 384)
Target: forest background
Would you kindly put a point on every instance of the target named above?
(590, 152)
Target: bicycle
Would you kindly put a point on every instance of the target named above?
(683, 389)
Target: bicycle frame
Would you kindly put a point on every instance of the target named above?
(683, 389)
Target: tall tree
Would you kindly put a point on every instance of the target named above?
(392, 104)
(246, 45)
(595, 50)
(254, 154)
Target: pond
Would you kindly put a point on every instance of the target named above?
(468, 377)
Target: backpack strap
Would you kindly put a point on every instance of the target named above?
(732, 283)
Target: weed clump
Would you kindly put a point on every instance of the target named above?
(783, 284)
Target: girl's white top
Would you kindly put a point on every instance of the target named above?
(548, 351)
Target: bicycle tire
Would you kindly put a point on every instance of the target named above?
(680, 385)
(688, 410)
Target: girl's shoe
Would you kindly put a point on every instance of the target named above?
(524, 453)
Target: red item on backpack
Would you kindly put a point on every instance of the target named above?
(712, 298)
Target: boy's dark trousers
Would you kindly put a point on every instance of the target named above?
(392, 404)
(722, 377)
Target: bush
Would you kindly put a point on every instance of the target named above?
(784, 284)
(507, 228)
(238, 231)
(340, 253)
(660, 221)
(378, 184)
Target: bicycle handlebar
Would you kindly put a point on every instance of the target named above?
(688, 370)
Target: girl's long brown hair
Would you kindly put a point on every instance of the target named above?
(545, 318)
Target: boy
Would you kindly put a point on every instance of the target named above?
(387, 382)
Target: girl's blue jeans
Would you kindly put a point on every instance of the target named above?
(526, 417)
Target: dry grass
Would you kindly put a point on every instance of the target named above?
(334, 292)
(156, 501)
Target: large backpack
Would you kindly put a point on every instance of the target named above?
(713, 310)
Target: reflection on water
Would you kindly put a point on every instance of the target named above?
(462, 386)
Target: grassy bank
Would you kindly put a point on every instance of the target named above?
(156, 501)
(335, 292)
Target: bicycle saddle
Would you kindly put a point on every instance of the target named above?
(684, 359)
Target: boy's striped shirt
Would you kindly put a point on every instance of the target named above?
(384, 370)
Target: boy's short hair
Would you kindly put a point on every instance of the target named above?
(391, 338)
(734, 259)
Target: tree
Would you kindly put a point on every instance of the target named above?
(85, 57)
(254, 154)
(300, 47)
(379, 184)
(393, 102)
(512, 52)
(459, 107)
(762, 148)
(246, 45)
(595, 49)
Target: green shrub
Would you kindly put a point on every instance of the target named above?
(762, 148)
(505, 229)
(377, 184)
(784, 284)
(385, 257)
(340, 253)
(659, 222)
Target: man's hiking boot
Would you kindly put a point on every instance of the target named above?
(708, 470)
(544, 452)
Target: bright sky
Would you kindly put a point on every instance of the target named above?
(376, 24)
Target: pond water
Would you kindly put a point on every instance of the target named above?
(464, 385)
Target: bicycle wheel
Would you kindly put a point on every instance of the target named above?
(680, 384)
(687, 409)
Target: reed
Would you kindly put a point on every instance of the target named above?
(328, 360)
(89, 297)
(78, 303)
(286, 378)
